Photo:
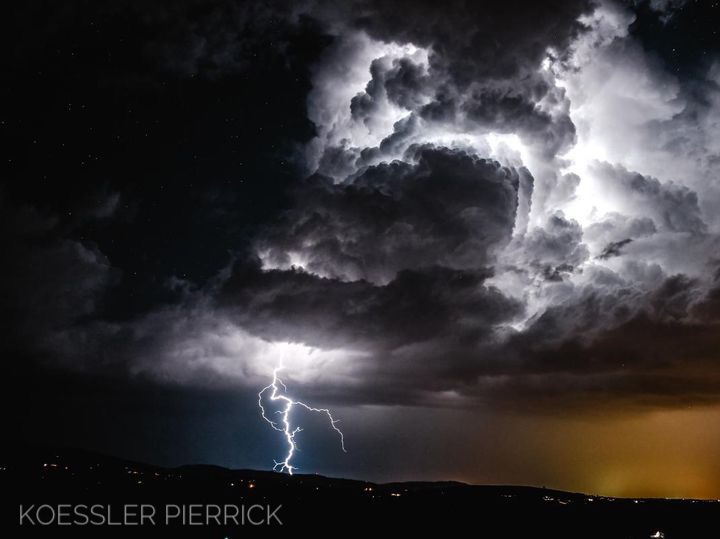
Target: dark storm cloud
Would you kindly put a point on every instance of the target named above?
(49, 280)
(709, 306)
(416, 306)
(447, 208)
(613, 248)
(477, 40)
(438, 330)
(434, 267)
(612, 347)
(514, 108)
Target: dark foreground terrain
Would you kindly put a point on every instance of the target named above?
(107, 489)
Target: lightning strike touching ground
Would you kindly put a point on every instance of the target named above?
(278, 392)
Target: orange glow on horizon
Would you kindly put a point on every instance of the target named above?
(666, 454)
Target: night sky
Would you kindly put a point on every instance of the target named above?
(484, 234)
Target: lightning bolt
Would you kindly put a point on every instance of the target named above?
(278, 392)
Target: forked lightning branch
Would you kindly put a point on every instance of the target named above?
(276, 392)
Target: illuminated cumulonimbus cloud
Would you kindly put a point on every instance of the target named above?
(505, 203)
(550, 172)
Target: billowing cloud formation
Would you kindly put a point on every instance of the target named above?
(672, 207)
(416, 306)
(51, 281)
(439, 207)
(506, 203)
